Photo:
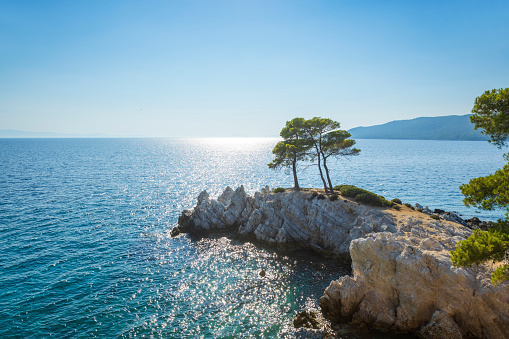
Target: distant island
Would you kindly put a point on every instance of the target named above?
(451, 127)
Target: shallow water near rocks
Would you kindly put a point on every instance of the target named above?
(85, 249)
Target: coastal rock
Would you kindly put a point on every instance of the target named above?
(402, 279)
(265, 190)
(310, 323)
(405, 282)
(308, 319)
(291, 219)
(454, 217)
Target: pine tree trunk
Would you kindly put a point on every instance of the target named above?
(321, 172)
(327, 173)
(295, 179)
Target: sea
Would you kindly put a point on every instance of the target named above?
(85, 249)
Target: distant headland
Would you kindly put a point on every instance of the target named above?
(451, 127)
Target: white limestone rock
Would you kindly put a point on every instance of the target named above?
(402, 280)
(292, 218)
(405, 282)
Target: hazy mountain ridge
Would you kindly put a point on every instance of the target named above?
(451, 127)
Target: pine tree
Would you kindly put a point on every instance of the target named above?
(491, 114)
(327, 140)
(292, 149)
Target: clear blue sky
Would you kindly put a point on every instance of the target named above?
(243, 68)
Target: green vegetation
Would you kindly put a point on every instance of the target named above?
(491, 114)
(500, 274)
(434, 216)
(372, 199)
(350, 191)
(320, 197)
(309, 140)
(363, 196)
(291, 150)
(488, 192)
(327, 140)
(334, 197)
(480, 247)
(409, 206)
(396, 201)
(278, 190)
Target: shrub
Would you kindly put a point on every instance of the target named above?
(363, 196)
(320, 197)
(333, 197)
(314, 195)
(372, 199)
(350, 190)
(434, 216)
(278, 190)
(396, 200)
(409, 206)
(396, 207)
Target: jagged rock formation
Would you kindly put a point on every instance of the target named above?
(402, 277)
(286, 219)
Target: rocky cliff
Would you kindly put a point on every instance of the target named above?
(402, 277)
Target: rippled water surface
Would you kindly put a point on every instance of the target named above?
(84, 245)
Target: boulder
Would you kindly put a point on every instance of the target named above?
(405, 282)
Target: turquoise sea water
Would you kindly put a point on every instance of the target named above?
(85, 249)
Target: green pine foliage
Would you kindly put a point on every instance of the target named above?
(279, 190)
(491, 114)
(480, 247)
(488, 192)
(311, 140)
(500, 274)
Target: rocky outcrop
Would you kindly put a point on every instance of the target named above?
(296, 219)
(404, 282)
(402, 278)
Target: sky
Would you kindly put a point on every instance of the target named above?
(243, 68)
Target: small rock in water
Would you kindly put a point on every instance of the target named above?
(262, 273)
(175, 231)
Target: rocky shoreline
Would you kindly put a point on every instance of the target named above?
(402, 280)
